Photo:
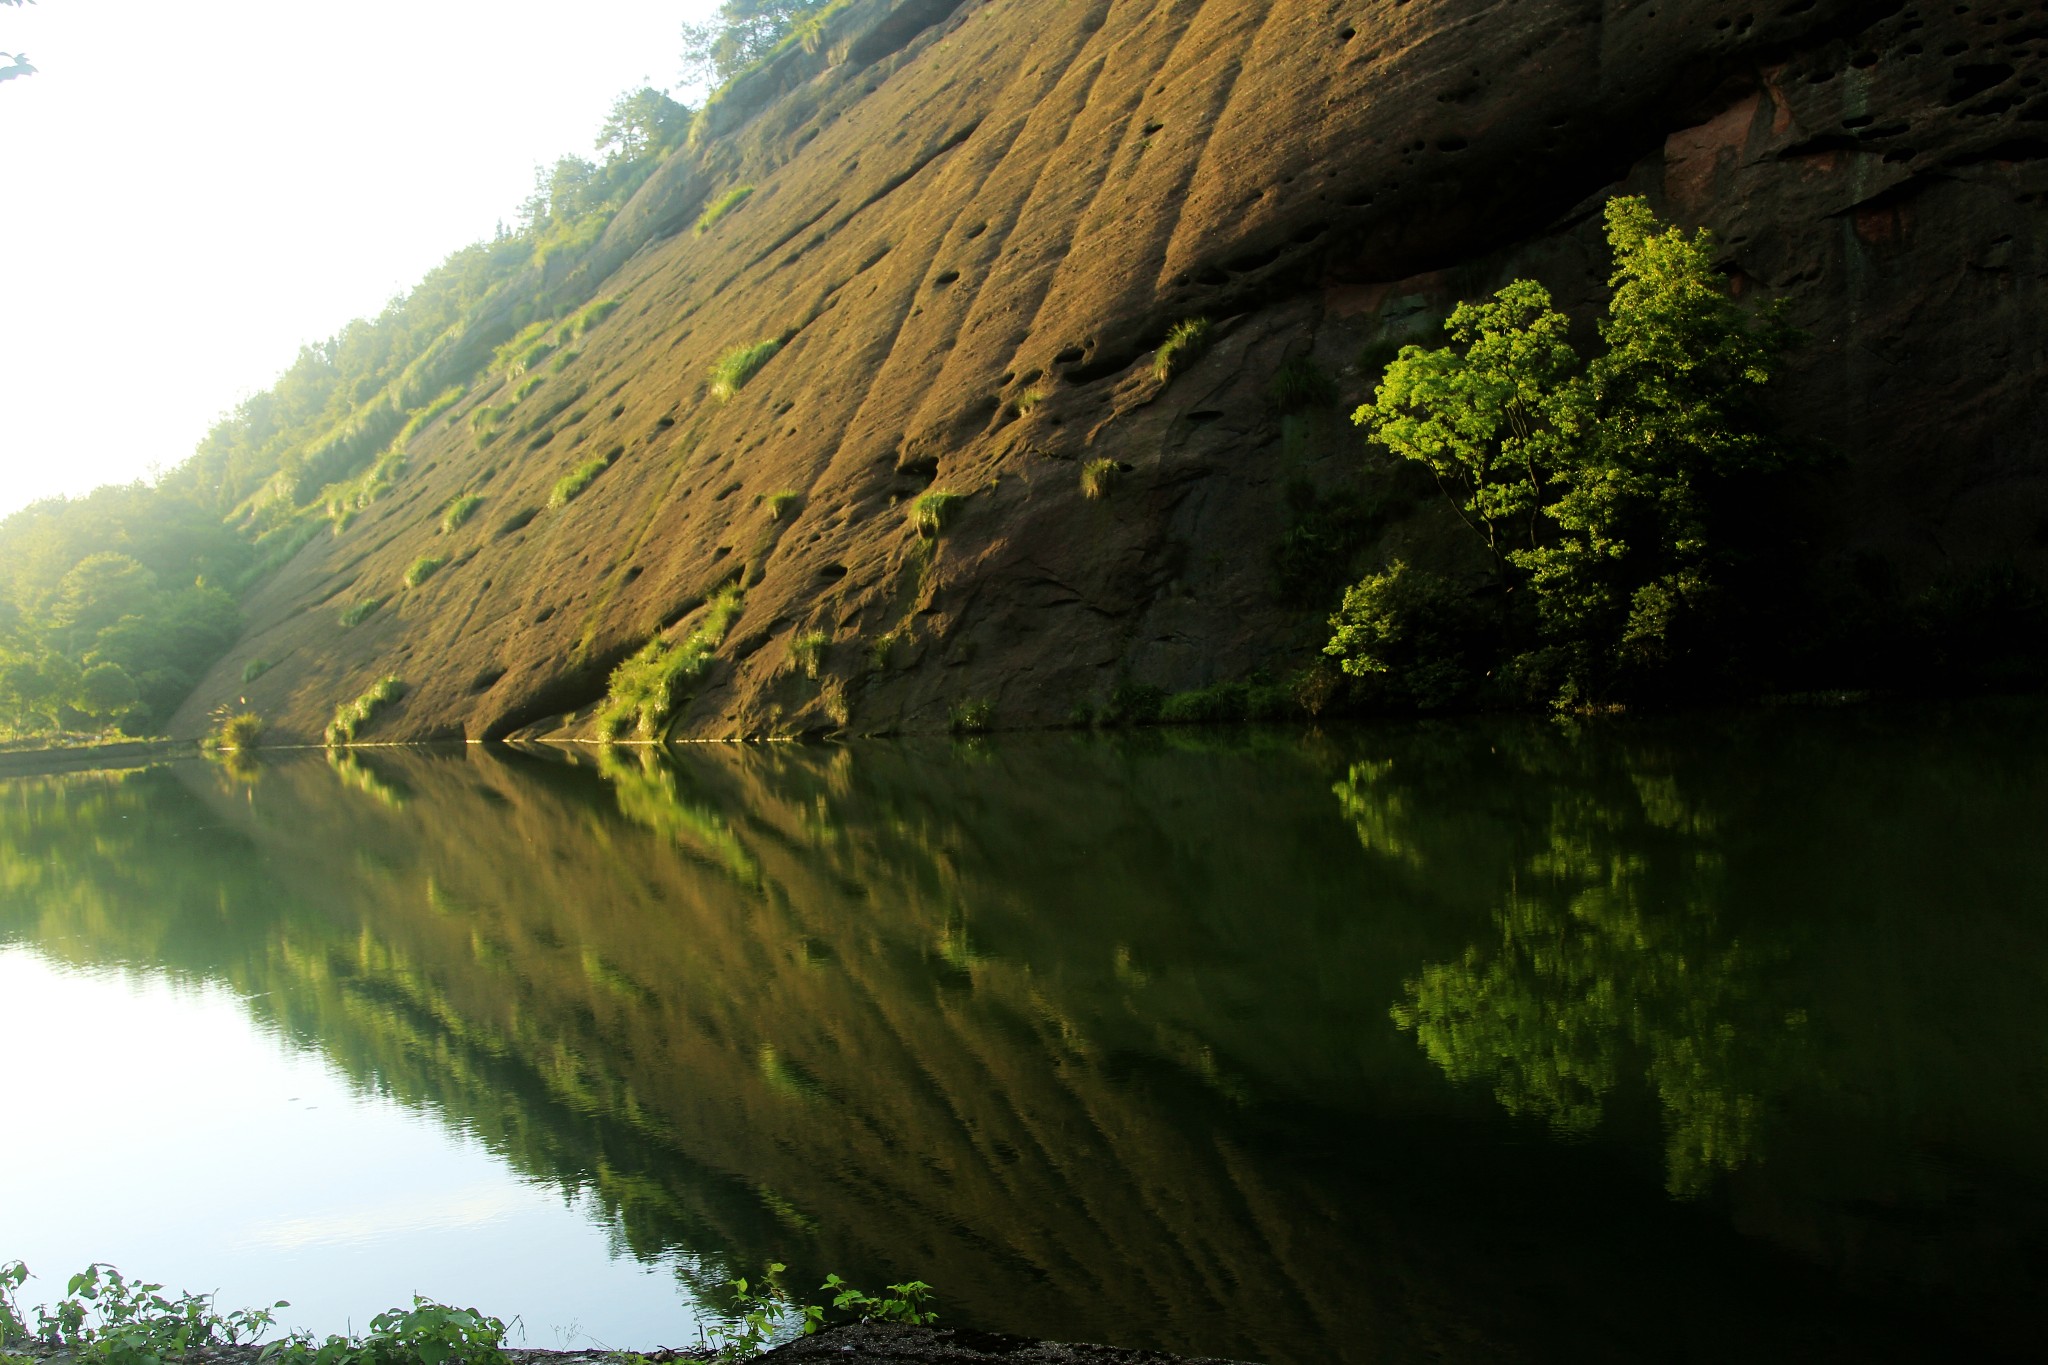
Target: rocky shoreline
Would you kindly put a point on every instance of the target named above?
(869, 1343)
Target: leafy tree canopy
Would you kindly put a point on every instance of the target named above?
(1611, 494)
(744, 32)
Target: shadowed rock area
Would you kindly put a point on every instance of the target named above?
(973, 221)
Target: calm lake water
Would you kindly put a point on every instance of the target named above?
(1706, 1039)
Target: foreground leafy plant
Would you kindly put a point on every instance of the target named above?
(109, 1319)
(765, 1312)
(427, 1333)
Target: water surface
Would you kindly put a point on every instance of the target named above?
(1702, 1039)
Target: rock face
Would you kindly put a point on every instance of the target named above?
(973, 222)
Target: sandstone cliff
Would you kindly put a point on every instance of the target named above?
(974, 220)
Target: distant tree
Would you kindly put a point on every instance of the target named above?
(744, 32)
(642, 122)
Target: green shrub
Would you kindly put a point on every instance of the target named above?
(739, 365)
(485, 419)
(527, 386)
(591, 315)
(807, 651)
(459, 511)
(239, 731)
(1183, 346)
(646, 688)
(423, 568)
(934, 511)
(779, 503)
(1312, 560)
(255, 669)
(1098, 477)
(351, 717)
(563, 360)
(361, 611)
(724, 204)
(427, 1333)
(1133, 703)
(1029, 399)
(971, 717)
(571, 485)
(1419, 637)
(1299, 384)
(1220, 704)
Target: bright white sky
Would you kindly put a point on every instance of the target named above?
(189, 192)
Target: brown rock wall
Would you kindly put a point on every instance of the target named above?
(961, 204)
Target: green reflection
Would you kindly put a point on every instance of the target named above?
(1098, 1030)
(1609, 960)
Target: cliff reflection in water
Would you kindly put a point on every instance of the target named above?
(1097, 1034)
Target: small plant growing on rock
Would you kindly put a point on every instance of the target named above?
(807, 651)
(739, 365)
(1098, 477)
(588, 318)
(719, 207)
(779, 503)
(459, 511)
(1300, 384)
(934, 511)
(351, 717)
(527, 386)
(1029, 399)
(255, 669)
(571, 485)
(423, 568)
(972, 717)
(1183, 346)
(646, 687)
(234, 732)
(361, 612)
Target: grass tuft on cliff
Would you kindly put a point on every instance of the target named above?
(934, 511)
(459, 511)
(423, 568)
(1184, 345)
(351, 717)
(724, 204)
(645, 689)
(739, 365)
(1099, 477)
(571, 485)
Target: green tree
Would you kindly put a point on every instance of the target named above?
(1621, 492)
(744, 32)
(642, 122)
(1494, 422)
